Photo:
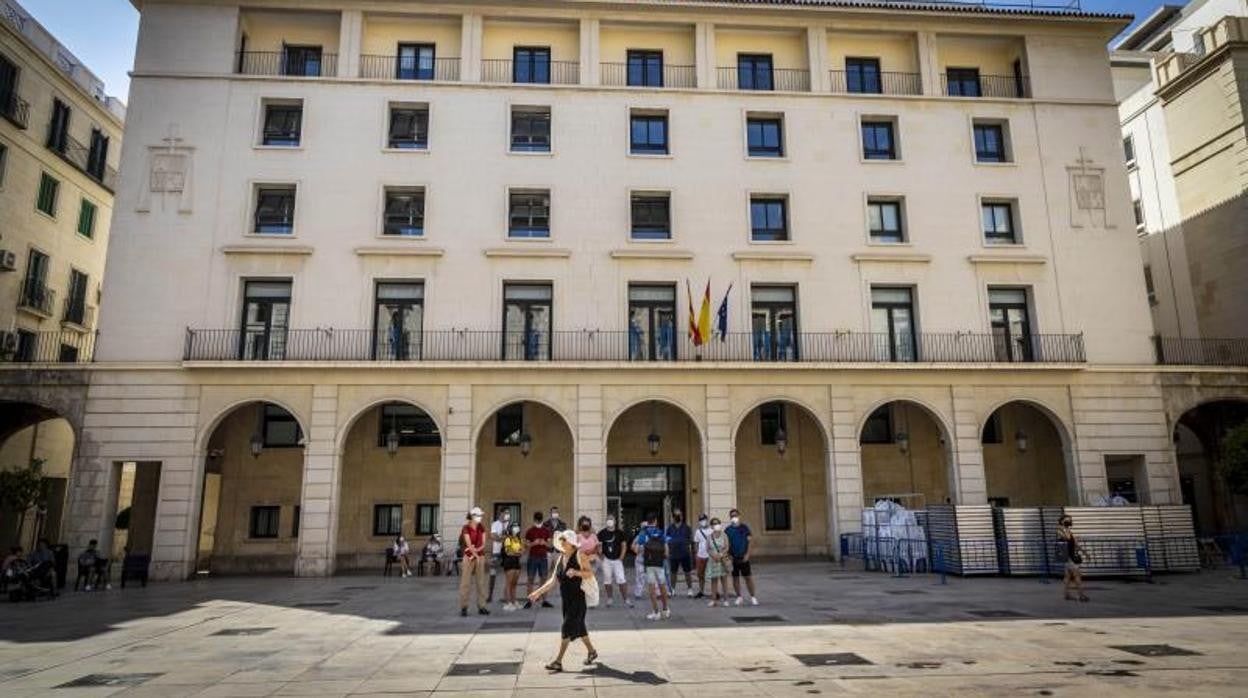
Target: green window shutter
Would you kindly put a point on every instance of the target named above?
(47, 194)
(86, 219)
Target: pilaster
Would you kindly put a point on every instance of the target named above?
(322, 474)
(969, 481)
(590, 463)
(590, 70)
(817, 58)
(704, 55)
(721, 474)
(350, 37)
(458, 454)
(929, 67)
(471, 31)
(846, 478)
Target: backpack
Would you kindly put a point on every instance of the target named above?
(654, 550)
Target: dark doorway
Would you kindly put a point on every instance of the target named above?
(633, 491)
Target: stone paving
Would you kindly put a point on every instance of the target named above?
(821, 630)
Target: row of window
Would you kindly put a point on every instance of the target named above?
(531, 128)
(529, 212)
(398, 320)
(36, 295)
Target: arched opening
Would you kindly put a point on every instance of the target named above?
(782, 482)
(36, 447)
(1198, 435)
(654, 464)
(253, 481)
(391, 472)
(524, 462)
(1025, 462)
(905, 456)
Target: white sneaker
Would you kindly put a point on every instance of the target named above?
(739, 601)
(652, 616)
(689, 593)
(609, 603)
(667, 613)
(753, 601)
(712, 604)
(630, 603)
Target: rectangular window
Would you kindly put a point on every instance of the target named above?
(294, 524)
(884, 220)
(4, 161)
(862, 75)
(409, 128)
(773, 323)
(27, 342)
(878, 429)
(530, 129)
(645, 68)
(526, 322)
(647, 134)
(266, 315)
(97, 155)
(86, 219)
(765, 137)
(529, 214)
(1128, 151)
(412, 425)
(769, 220)
(387, 519)
(302, 61)
(531, 64)
(777, 515)
(771, 422)
(405, 212)
(281, 429)
(275, 210)
(35, 292)
(509, 425)
(283, 124)
(1137, 210)
(58, 127)
(990, 142)
(1010, 317)
(962, 82)
(68, 354)
(76, 298)
(49, 187)
(1149, 285)
(399, 320)
(651, 216)
(754, 71)
(892, 323)
(998, 222)
(416, 62)
(9, 73)
(426, 519)
(652, 322)
(877, 140)
(264, 522)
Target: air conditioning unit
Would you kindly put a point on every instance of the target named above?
(8, 260)
(8, 343)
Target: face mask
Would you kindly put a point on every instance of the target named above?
(506, 517)
(610, 524)
(585, 527)
(703, 523)
(677, 517)
(719, 528)
(735, 520)
(476, 519)
(554, 515)
(515, 530)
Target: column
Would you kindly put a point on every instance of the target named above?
(458, 462)
(589, 461)
(322, 473)
(817, 58)
(704, 55)
(721, 473)
(968, 481)
(471, 31)
(929, 68)
(350, 35)
(846, 461)
(590, 70)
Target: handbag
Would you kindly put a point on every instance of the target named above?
(589, 585)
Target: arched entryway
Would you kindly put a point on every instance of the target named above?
(781, 458)
(391, 472)
(1026, 461)
(905, 455)
(524, 462)
(654, 464)
(253, 479)
(1198, 436)
(37, 447)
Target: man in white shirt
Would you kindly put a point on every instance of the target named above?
(702, 539)
(498, 530)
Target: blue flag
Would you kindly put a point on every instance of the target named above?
(721, 317)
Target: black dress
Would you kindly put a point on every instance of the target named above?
(573, 599)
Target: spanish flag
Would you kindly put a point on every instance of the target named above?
(704, 316)
(694, 335)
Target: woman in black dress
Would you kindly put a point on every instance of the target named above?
(570, 570)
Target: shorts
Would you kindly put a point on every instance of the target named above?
(539, 566)
(511, 562)
(680, 563)
(656, 576)
(1072, 566)
(740, 568)
(613, 572)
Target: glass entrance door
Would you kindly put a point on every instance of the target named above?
(636, 491)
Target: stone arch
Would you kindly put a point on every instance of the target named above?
(824, 431)
(922, 463)
(942, 420)
(340, 436)
(38, 424)
(1025, 490)
(681, 455)
(205, 432)
(509, 400)
(501, 474)
(1196, 434)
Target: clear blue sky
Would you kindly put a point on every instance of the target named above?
(102, 32)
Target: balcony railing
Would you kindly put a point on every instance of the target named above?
(409, 68)
(888, 83)
(781, 80)
(48, 347)
(36, 297)
(678, 76)
(1201, 352)
(15, 109)
(288, 64)
(621, 346)
(501, 70)
(1000, 86)
(79, 156)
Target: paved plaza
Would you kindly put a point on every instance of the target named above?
(821, 630)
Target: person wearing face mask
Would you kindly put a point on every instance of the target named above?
(679, 552)
(611, 542)
(651, 547)
(513, 548)
(554, 524)
(701, 540)
(1069, 548)
(537, 542)
(717, 563)
(586, 539)
(472, 541)
(740, 540)
(498, 530)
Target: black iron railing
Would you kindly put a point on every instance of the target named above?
(617, 75)
(551, 73)
(888, 83)
(79, 155)
(15, 109)
(408, 68)
(50, 346)
(600, 345)
(1001, 86)
(779, 80)
(34, 295)
(1201, 352)
(288, 63)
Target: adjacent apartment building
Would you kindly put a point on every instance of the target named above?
(60, 143)
(378, 263)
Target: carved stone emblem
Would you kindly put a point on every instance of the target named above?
(169, 174)
(1087, 194)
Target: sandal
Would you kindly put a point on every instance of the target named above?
(591, 658)
(555, 667)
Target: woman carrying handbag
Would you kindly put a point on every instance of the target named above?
(571, 573)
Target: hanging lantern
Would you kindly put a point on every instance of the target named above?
(526, 444)
(257, 444)
(653, 441)
(1021, 441)
(902, 439)
(782, 441)
(392, 442)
